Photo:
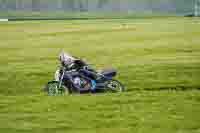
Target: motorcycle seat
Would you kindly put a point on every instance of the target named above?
(110, 72)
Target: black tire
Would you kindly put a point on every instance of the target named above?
(115, 86)
(52, 88)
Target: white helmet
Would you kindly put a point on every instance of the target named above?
(65, 58)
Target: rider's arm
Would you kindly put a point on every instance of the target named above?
(57, 75)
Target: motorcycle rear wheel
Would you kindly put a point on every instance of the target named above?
(115, 86)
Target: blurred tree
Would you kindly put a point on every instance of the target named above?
(68, 5)
(3, 4)
(101, 3)
(83, 5)
(197, 8)
(19, 4)
(35, 5)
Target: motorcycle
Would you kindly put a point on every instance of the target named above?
(83, 80)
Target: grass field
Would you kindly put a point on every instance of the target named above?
(158, 61)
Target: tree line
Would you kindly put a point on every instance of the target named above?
(98, 5)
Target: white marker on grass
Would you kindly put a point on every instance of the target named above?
(3, 20)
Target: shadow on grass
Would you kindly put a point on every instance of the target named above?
(176, 88)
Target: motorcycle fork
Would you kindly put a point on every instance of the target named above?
(60, 83)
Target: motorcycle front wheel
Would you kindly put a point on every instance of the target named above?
(54, 88)
(115, 86)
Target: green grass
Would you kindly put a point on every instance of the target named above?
(158, 61)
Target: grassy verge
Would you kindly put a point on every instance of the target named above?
(150, 54)
(147, 53)
(141, 111)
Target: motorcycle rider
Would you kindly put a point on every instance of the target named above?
(65, 60)
(68, 62)
(71, 63)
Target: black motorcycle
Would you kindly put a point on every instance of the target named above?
(83, 79)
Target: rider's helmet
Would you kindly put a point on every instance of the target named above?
(66, 59)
